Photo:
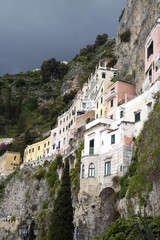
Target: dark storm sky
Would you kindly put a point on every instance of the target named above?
(32, 31)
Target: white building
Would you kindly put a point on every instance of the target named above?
(107, 152)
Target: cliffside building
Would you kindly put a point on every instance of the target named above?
(9, 161)
(152, 57)
(37, 151)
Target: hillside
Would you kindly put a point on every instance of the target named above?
(31, 102)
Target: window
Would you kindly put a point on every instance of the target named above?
(59, 131)
(66, 127)
(60, 122)
(83, 105)
(67, 118)
(107, 168)
(83, 171)
(44, 145)
(111, 117)
(101, 90)
(101, 112)
(97, 104)
(64, 120)
(96, 116)
(63, 129)
(48, 143)
(54, 135)
(91, 172)
(112, 103)
(101, 99)
(112, 90)
(103, 75)
(15, 158)
(137, 117)
(150, 50)
(59, 144)
(69, 115)
(64, 140)
(53, 146)
(91, 147)
(47, 150)
(121, 114)
(71, 122)
(150, 75)
(113, 139)
(29, 150)
(32, 149)
(38, 148)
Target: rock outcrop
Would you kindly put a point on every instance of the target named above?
(139, 17)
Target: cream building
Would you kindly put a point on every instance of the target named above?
(37, 150)
(9, 161)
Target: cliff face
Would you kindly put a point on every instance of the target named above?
(139, 17)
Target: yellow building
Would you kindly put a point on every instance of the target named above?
(37, 150)
(9, 161)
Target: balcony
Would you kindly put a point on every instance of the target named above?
(110, 95)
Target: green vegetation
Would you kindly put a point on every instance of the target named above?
(13, 218)
(52, 175)
(133, 228)
(75, 172)
(124, 77)
(43, 218)
(125, 36)
(61, 226)
(45, 204)
(53, 69)
(40, 174)
(145, 167)
(88, 57)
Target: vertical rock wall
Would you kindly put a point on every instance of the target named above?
(139, 17)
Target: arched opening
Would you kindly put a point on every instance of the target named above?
(108, 209)
(91, 172)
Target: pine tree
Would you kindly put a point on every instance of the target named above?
(62, 216)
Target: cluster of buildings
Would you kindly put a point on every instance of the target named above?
(112, 115)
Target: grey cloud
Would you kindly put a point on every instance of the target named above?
(35, 30)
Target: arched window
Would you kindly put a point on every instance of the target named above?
(83, 171)
(103, 75)
(91, 172)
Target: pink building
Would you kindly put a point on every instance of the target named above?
(152, 57)
(118, 93)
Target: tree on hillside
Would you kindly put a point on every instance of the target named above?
(62, 216)
(52, 68)
(101, 39)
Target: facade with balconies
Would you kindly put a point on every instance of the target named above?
(152, 57)
(117, 94)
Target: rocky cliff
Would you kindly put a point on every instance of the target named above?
(138, 17)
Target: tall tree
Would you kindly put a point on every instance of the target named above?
(62, 216)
